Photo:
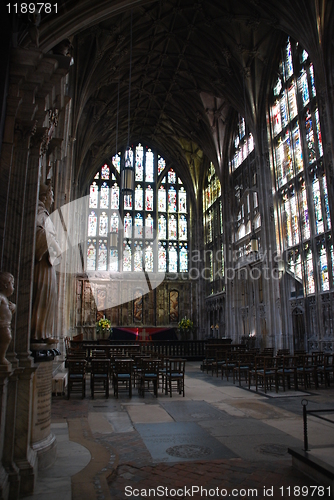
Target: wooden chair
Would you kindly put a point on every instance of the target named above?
(230, 362)
(306, 370)
(264, 371)
(76, 376)
(324, 369)
(149, 373)
(123, 374)
(99, 375)
(286, 371)
(174, 378)
(244, 364)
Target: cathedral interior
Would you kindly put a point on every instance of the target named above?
(189, 146)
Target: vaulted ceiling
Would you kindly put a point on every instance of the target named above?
(192, 65)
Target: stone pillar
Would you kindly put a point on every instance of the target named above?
(5, 372)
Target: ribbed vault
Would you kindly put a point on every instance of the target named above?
(194, 64)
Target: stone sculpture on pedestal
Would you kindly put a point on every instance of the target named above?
(7, 309)
(47, 255)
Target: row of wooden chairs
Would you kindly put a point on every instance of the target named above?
(124, 372)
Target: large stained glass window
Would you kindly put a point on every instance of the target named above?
(298, 166)
(146, 229)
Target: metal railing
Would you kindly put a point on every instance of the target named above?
(314, 413)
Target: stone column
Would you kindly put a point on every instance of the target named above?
(5, 372)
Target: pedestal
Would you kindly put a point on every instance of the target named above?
(43, 442)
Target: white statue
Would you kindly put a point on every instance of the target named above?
(47, 254)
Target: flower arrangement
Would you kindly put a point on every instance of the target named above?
(103, 325)
(186, 324)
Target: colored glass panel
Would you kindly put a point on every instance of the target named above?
(284, 110)
(294, 219)
(276, 118)
(303, 88)
(93, 195)
(92, 224)
(102, 260)
(139, 169)
(182, 200)
(139, 204)
(292, 98)
(317, 124)
(161, 164)
(319, 223)
(149, 167)
(171, 176)
(162, 228)
(138, 257)
(298, 154)
(172, 228)
(105, 172)
(172, 258)
(183, 228)
(104, 196)
(172, 199)
(113, 261)
(103, 224)
(91, 255)
(149, 261)
(314, 92)
(310, 137)
(310, 287)
(304, 213)
(114, 202)
(128, 226)
(325, 195)
(114, 223)
(116, 161)
(149, 227)
(183, 259)
(288, 61)
(97, 176)
(138, 226)
(324, 275)
(162, 258)
(128, 159)
(127, 254)
(162, 199)
(149, 199)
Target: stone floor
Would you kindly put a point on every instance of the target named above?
(219, 440)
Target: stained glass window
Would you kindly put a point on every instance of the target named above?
(310, 136)
(316, 113)
(303, 87)
(93, 195)
(288, 61)
(183, 228)
(127, 257)
(319, 223)
(91, 255)
(161, 164)
(135, 214)
(92, 224)
(324, 276)
(149, 261)
(162, 257)
(310, 287)
(114, 197)
(162, 199)
(172, 199)
(149, 171)
(162, 228)
(172, 258)
(103, 225)
(116, 161)
(171, 176)
(128, 226)
(325, 194)
(305, 217)
(172, 228)
(102, 263)
(182, 200)
(149, 227)
(113, 262)
(138, 257)
(183, 258)
(139, 164)
(139, 205)
(104, 196)
(105, 172)
(138, 226)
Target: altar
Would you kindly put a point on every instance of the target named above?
(144, 333)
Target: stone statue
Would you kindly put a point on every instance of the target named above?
(47, 255)
(7, 309)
